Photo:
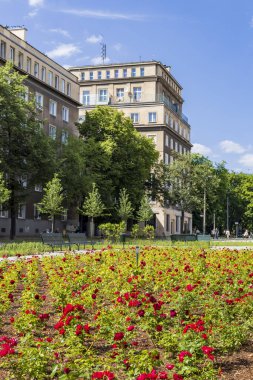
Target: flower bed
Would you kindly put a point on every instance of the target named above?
(99, 316)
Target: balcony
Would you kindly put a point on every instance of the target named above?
(128, 97)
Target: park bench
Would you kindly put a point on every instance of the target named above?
(54, 240)
(183, 237)
(203, 237)
(79, 239)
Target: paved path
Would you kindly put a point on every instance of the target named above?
(46, 254)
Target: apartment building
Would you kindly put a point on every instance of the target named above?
(57, 96)
(148, 93)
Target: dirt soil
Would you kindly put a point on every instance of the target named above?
(239, 365)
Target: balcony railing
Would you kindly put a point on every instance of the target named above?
(94, 100)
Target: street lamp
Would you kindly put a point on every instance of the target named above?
(204, 213)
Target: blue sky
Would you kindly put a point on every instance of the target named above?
(208, 44)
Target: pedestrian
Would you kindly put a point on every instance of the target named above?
(246, 234)
(227, 232)
(216, 233)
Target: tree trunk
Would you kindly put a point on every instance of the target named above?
(53, 223)
(92, 227)
(182, 223)
(13, 213)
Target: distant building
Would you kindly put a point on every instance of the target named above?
(57, 96)
(149, 94)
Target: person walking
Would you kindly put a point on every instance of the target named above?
(227, 232)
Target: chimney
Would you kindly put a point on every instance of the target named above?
(19, 31)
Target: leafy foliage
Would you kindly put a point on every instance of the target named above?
(52, 200)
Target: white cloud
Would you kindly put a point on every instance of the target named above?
(33, 13)
(103, 14)
(201, 149)
(99, 60)
(117, 46)
(247, 160)
(63, 50)
(36, 3)
(229, 146)
(93, 39)
(63, 32)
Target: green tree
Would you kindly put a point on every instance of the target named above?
(145, 212)
(25, 151)
(125, 210)
(193, 181)
(123, 158)
(93, 206)
(52, 200)
(4, 192)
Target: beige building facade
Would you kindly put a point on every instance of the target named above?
(56, 91)
(148, 94)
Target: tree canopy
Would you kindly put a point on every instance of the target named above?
(25, 151)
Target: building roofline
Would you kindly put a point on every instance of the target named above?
(60, 66)
(122, 64)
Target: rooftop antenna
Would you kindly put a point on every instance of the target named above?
(103, 51)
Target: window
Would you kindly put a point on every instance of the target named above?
(63, 86)
(152, 117)
(99, 74)
(26, 93)
(36, 69)
(167, 140)
(3, 212)
(65, 114)
(38, 188)
(171, 143)
(82, 76)
(3, 50)
(50, 78)
(108, 74)
(86, 98)
(29, 65)
(103, 95)
(52, 107)
(142, 71)
(120, 93)
(23, 181)
(167, 222)
(152, 137)
(64, 137)
(43, 74)
(176, 126)
(124, 73)
(135, 117)
(36, 212)
(176, 146)
(64, 215)
(91, 75)
(56, 82)
(133, 72)
(116, 73)
(137, 93)
(52, 132)
(39, 100)
(68, 89)
(21, 211)
(177, 223)
(12, 54)
(20, 60)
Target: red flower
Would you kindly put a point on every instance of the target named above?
(141, 313)
(159, 328)
(66, 370)
(130, 328)
(119, 336)
(173, 313)
(208, 351)
(177, 377)
(182, 355)
(105, 375)
(37, 297)
(170, 366)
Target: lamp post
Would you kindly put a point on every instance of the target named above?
(204, 213)
(137, 251)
